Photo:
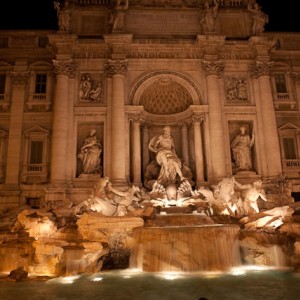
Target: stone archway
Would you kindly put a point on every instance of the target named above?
(183, 83)
(163, 98)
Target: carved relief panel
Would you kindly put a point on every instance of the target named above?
(91, 89)
(236, 89)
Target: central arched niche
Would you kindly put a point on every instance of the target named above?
(165, 92)
(165, 96)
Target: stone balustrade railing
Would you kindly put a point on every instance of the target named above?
(289, 164)
(94, 2)
(233, 3)
(222, 3)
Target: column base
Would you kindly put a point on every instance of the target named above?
(119, 183)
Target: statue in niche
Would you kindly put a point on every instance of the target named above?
(260, 19)
(63, 15)
(90, 154)
(167, 176)
(209, 16)
(163, 147)
(90, 90)
(241, 151)
(118, 15)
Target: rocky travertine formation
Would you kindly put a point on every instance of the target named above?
(72, 240)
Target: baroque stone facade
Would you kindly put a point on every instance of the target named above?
(112, 77)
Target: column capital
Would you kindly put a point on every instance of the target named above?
(19, 78)
(135, 119)
(261, 68)
(114, 67)
(213, 67)
(64, 67)
(198, 118)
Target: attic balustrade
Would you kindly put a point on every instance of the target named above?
(222, 3)
(94, 2)
(233, 3)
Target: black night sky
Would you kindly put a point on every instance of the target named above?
(40, 14)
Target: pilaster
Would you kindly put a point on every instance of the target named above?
(19, 81)
(64, 70)
(260, 71)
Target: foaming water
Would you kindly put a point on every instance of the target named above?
(252, 283)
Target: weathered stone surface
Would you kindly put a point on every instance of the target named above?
(292, 229)
(96, 227)
(18, 274)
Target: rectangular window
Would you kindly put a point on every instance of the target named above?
(289, 148)
(40, 83)
(2, 83)
(36, 152)
(280, 83)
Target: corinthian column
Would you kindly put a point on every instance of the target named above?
(212, 70)
(117, 70)
(270, 134)
(185, 144)
(197, 120)
(136, 149)
(63, 70)
(19, 82)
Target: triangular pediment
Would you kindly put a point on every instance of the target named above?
(36, 130)
(288, 126)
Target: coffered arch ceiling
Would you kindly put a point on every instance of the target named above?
(165, 92)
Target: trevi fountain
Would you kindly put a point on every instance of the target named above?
(165, 174)
(169, 231)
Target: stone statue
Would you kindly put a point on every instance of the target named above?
(241, 151)
(260, 19)
(230, 197)
(90, 154)
(110, 201)
(221, 197)
(118, 15)
(250, 194)
(63, 15)
(209, 15)
(166, 157)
